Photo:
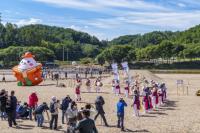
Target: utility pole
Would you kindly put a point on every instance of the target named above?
(67, 54)
(63, 53)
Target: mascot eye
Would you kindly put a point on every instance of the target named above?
(28, 61)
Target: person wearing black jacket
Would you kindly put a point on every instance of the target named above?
(3, 99)
(11, 106)
(39, 113)
(64, 106)
(86, 125)
(99, 107)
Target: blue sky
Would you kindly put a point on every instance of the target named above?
(105, 19)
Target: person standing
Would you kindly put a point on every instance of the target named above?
(136, 103)
(88, 84)
(86, 125)
(98, 84)
(120, 113)
(39, 113)
(54, 106)
(71, 113)
(100, 111)
(155, 96)
(126, 89)
(3, 99)
(78, 93)
(117, 88)
(64, 106)
(147, 100)
(32, 103)
(11, 106)
(113, 86)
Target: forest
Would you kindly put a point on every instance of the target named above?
(50, 43)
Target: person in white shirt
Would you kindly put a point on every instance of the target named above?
(71, 114)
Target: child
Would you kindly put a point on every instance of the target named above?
(88, 85)
(78, 93)
(126, 89)
(136, 103)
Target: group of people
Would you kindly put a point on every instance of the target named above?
(149, 96)
(82, 120)
(8, 107)
(98, 84)
(12, 109)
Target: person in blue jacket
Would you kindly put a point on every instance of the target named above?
(120, 113)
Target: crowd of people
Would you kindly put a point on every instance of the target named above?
(150, 96)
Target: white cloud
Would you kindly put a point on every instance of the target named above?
(104, 5)
(75, 27)
(23, 22)
(181, 5)
(123, 16)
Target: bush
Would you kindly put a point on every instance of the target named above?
(86, 61)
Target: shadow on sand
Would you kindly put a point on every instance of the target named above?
(96, 92)
(46, 85)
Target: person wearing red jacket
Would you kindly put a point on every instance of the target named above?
(33, 100)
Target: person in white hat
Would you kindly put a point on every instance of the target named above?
(54, 106)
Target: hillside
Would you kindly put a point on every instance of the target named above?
(57, 43)
(190, 36)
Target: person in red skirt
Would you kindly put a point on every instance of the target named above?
(126, 89)
(136, 102)
(78, 93)
(155, 96)
(117, 88)
(147, 104)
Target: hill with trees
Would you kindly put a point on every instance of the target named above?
(51, 43)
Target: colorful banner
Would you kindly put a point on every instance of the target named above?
(126, 70)
(115, 71)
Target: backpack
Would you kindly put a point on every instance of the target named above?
(52, 108)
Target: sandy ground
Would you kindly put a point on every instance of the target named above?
(179, 115)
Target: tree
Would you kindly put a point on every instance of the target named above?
(90, 50)
(117, 53)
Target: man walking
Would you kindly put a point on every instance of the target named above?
(54, 105)
(99, 107)
(120, 113)
(11, 106)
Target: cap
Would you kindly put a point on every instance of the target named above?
(28, 55)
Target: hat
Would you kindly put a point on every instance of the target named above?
(53, 98)
(28, 55)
